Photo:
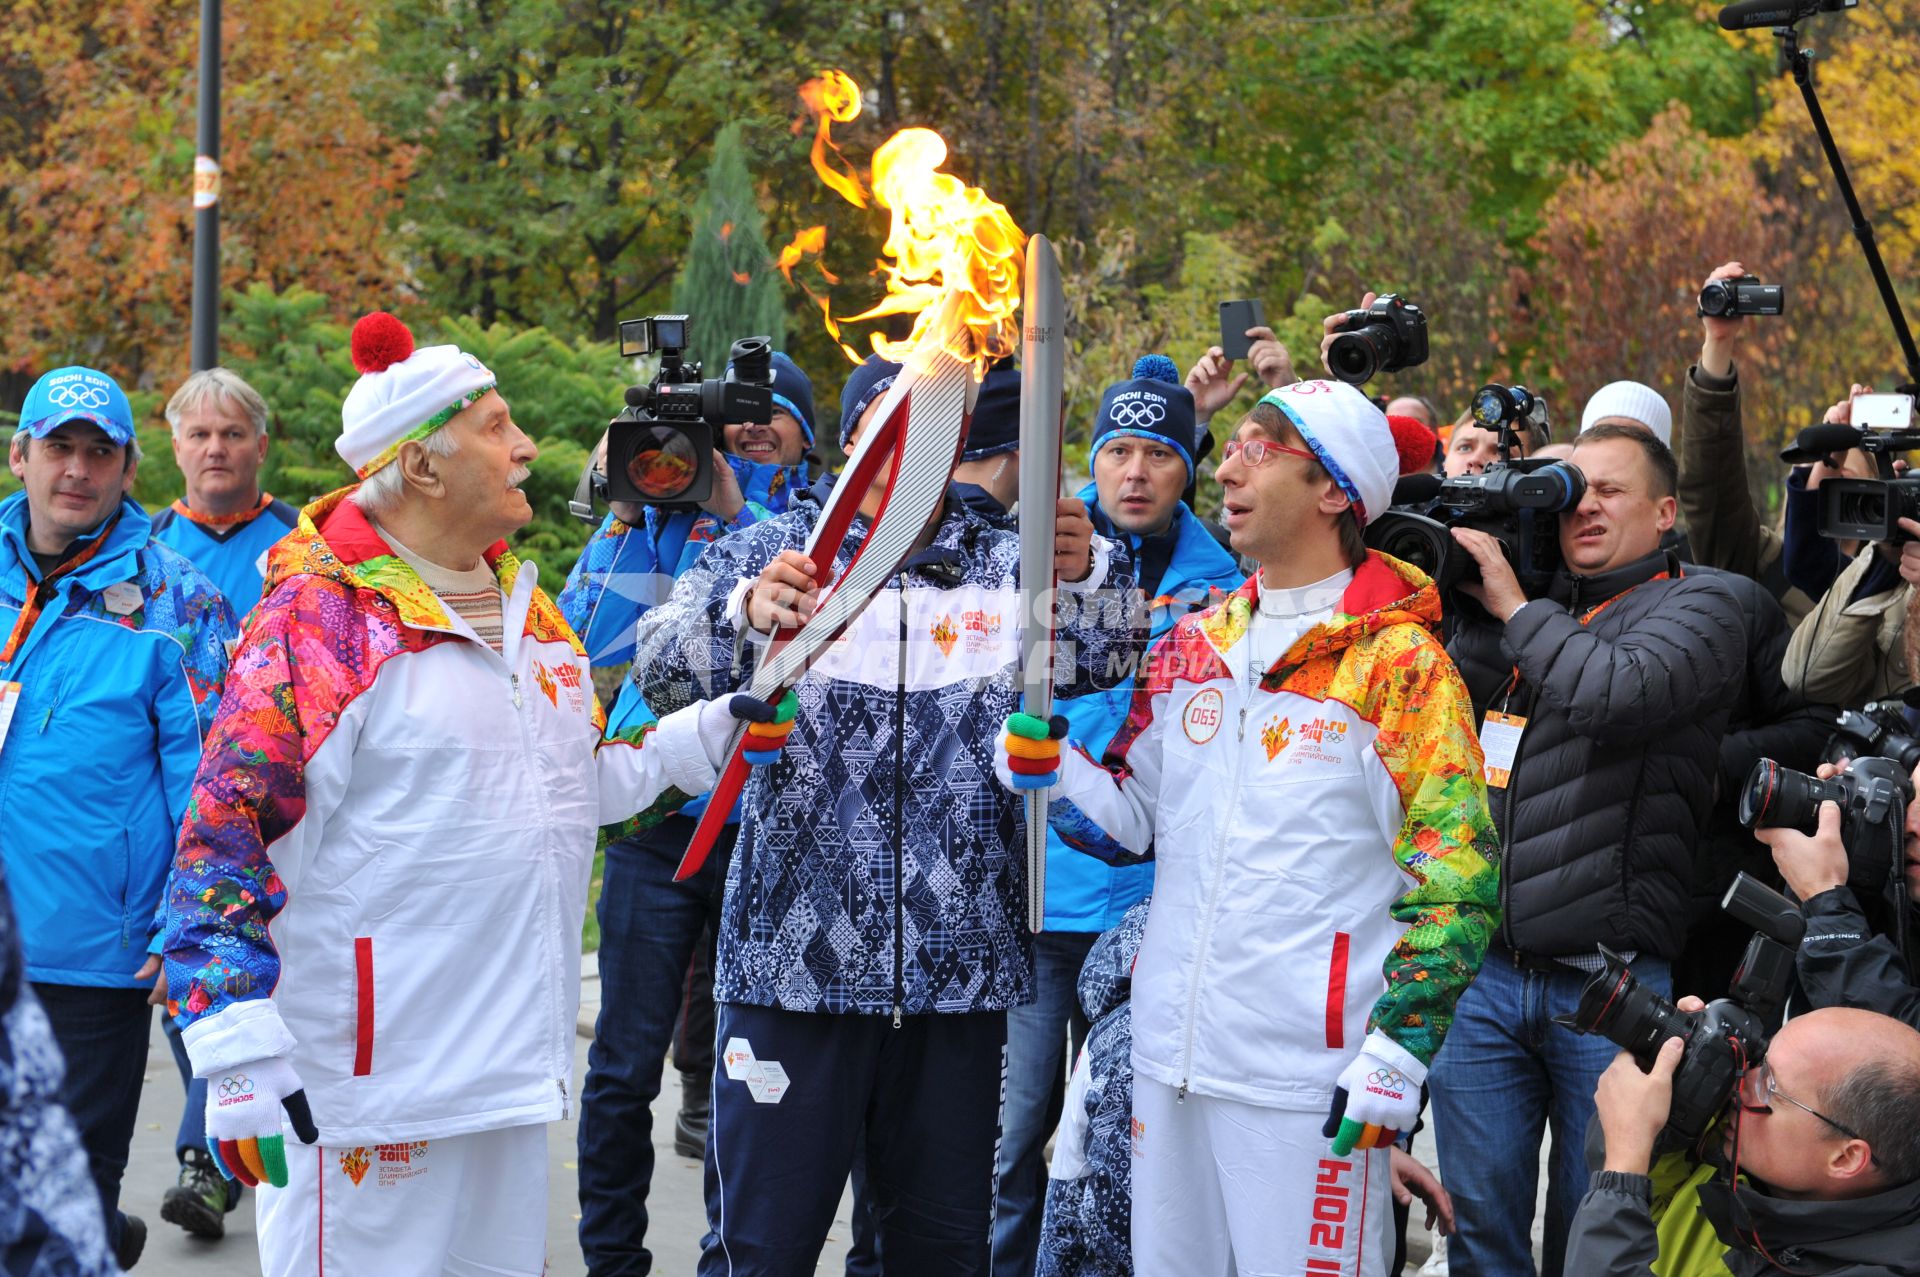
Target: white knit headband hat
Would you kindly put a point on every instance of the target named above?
(403, 393)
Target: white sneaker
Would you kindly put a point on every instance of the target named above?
(1436, 1265)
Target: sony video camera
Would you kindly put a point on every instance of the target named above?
(1731, 298)
(1517, 502)
(1872, 795)
(1864, 509)
(1726, 1037)
(660, 448)
(1387, 336)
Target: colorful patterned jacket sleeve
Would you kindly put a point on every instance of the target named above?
(187, 697)
(1447, 843)
(261, 798)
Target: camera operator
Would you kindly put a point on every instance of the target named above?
(1604, 705)
(1843, 962)
(1817, 1169)
(656, 933)
(1471, 447)
(1716, 501)
(1852, 646)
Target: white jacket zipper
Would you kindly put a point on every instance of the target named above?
(1213, 892)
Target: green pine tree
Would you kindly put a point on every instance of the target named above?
(728, 282)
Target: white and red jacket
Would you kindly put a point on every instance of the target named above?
(1326, 858)
(413, 814)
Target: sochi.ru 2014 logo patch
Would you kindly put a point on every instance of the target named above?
(1203, 714)
(354, 1163)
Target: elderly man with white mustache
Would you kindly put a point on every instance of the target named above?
(405, 782)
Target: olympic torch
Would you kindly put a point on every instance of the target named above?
(1042, 419)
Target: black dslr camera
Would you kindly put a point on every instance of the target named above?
(1387, 336)
(660, 449)
(1728, 298)
(1726, 1037)
(1876, 730)
(1872, 795)
(1516, 502)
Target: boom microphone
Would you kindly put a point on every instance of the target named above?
(1416, 489)
(1749, 14)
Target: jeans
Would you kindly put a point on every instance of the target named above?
(1504, 1072)
(649, 926)
(103, 1035)
(193, 1117)
(1037, 1068)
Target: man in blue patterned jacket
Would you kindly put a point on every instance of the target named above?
(112, 652)
(872, 937)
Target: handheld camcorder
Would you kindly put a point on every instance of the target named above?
(1872, 795)
(1726, 1037)
(1864, 509)
(1517, 502)
(1387, 336)
(660, 448)
(1731, 298)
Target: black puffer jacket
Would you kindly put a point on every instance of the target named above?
(1615, 774)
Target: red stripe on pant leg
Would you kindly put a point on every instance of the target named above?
(1337, 992)
(320, 1232)
(363, 997)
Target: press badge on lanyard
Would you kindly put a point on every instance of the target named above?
(9, 701)
(1500, 742)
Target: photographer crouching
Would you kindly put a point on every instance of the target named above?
(1813, 1168)
(1603, 702)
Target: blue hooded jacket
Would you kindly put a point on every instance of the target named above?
(119, 676)
(1084, 894)
(619, 576)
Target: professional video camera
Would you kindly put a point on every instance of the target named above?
(1517, 502)
(1864, 509)
(1387, 336)
(1723, 1039)
(1872, 795)
(660, 448)
(1876, 730)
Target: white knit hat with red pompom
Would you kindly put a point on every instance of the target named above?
(403, 393)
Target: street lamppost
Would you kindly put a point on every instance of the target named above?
(206, 197)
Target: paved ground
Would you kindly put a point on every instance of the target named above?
(679, 1217)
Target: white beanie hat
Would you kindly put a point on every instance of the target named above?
(1350, 436)
(403, 393)
(1635, 402)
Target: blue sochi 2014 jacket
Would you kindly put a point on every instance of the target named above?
(231, 554)
(119, 661)
(880, 864)
(624, 571)
(1084, 894)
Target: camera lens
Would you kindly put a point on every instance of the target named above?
(1777, 797)
(1717, 299)
(664, 463)
(1627, 1013)
(1356, 356)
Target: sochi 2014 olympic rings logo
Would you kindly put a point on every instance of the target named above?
(235, 1086)
(1387, 1080)
(1138, 414)
(78, 395)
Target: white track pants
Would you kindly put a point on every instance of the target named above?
(1223, 1188)
(465, 1206)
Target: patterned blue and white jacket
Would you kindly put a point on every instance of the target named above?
(881, 867)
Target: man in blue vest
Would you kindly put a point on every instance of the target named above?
(113, 654)
(223, 523)
(1142, 460)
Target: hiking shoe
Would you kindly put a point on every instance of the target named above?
(200, 1201)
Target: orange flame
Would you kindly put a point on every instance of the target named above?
(833, 97)
(954, 255)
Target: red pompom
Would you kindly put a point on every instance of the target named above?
(1414, 442)
(379, 342)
